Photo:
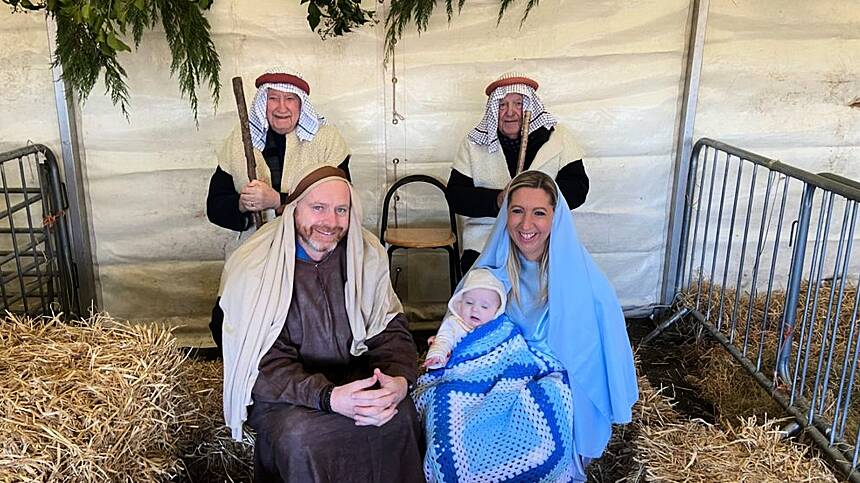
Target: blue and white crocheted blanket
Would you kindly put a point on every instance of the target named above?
(498, 411)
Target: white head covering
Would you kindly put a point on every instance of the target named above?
(309, 121)
(480, 278)
(486, 133)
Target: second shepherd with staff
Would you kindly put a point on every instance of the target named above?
(287, 136)
(497, 149)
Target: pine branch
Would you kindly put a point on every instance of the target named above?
(529, 6)
(191, 47)
(404, 12)
(334, 18)
(401, 13)
(90, 36)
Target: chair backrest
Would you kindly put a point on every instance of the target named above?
(413, 178)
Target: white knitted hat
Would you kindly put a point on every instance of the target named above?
(480, 278)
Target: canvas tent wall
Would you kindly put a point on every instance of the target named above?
(778, 77)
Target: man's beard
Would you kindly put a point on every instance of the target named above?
(306, 235)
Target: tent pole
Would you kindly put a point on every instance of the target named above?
(73, 178)
(693, 55)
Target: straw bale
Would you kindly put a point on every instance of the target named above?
(87, 401)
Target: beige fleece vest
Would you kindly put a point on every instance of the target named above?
(490, 170)
(326, 148)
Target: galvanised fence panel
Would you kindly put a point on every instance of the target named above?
(769, 264)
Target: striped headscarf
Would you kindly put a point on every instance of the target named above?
(290, 81)
(486, 133)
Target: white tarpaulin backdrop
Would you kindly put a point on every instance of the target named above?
(778, 78)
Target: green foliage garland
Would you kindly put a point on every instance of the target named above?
(91, 33)
(338, 17)
(404, 12)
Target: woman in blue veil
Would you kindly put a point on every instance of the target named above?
(565, 308)
(578, 319)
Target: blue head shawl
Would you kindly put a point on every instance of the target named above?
(584, 327)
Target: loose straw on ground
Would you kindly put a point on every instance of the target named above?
(669, 448)
(208, 451)
(722, 380)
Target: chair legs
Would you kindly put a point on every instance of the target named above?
(454, 274)
(453, 267)
(396, 272)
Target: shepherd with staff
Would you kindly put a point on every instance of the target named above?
(286, 134)
(515, 134)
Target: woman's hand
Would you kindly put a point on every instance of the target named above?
(258, 196)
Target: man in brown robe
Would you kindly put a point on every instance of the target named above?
(316, 342)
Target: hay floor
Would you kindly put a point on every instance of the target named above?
(91, 401)
(674, 435)
(100, 401)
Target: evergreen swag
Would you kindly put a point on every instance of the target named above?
(341, 16)
(90, 35)
(402, 12)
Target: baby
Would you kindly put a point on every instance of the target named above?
(480, 300)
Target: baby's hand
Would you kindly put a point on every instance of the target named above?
(434, 362)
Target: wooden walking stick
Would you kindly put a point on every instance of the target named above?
(524, 141)
(239, 94)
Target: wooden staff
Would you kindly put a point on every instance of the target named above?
(239, 94)
(524, 141)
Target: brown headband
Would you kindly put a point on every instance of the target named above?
(510, 81)
(281, 78)
(313, 177)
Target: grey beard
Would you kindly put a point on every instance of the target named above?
(316, 247)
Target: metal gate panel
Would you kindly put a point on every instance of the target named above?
(36, 268)
(768, 258)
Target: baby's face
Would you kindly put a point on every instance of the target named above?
(478, 305)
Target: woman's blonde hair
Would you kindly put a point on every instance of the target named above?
(538, 180)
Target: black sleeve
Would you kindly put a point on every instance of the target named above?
(467, 200)
(573, 183)
(216, 324)
(222, 203)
